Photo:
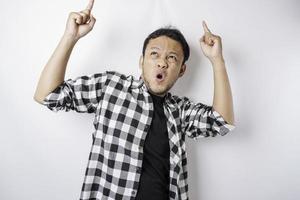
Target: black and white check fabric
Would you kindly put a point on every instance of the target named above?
(123, 112)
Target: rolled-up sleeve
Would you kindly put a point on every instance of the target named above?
(81, 94)
(201, 120)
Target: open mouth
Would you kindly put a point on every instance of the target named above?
(160, 76)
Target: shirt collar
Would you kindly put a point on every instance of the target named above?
(137, 84)
(141, 84)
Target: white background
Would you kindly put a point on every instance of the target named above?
(43, 155)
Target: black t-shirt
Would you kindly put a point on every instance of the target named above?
(154, 180)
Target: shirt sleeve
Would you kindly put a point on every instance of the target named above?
(81, 94)
(201, 120)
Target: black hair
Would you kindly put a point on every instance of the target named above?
(172, 33)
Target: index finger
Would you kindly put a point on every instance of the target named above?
(90, 5)
(205, 27)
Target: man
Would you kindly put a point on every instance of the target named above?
(138, 149)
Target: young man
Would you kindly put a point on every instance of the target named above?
(138, 149)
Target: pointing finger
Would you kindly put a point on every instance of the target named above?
(205, 27)
(90, 5)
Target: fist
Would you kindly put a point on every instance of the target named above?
(80, 23)
(211, 44)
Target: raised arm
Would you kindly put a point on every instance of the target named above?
(53, 74)
(212, 48)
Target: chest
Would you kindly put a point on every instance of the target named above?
(124, 118)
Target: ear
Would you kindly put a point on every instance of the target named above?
(182, 70)
(141, 62)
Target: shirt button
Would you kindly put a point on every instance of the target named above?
(132, 192)
(138, 169)
(147, 128)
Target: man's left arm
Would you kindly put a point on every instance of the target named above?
(222, 101)
(212, 48)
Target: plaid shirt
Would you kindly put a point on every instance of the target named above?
(123, 112)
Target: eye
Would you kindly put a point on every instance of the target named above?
(153, 53)
(173, 58)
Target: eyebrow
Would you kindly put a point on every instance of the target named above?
(159, 49)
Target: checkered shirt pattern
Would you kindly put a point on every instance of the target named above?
(123, 112)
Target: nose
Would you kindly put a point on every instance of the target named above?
(162, 63)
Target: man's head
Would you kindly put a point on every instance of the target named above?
(163, 61)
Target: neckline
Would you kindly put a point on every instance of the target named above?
(157, 98)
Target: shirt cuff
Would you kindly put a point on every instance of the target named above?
(224, 126)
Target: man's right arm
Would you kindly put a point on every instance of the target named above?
(53, 74)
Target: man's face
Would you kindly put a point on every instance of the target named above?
(162, 64)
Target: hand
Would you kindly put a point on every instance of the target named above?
(211, 45)
(80, 23)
